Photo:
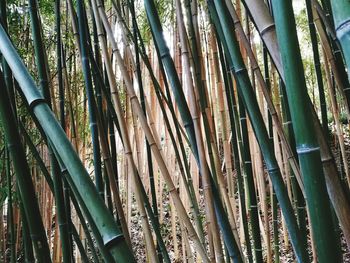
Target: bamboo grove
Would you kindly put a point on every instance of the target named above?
(174, 131)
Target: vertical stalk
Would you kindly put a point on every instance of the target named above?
(341, 15)
(78, 176)
(58, 186)
(188, 123)
(24, 181)
(10, 223)
(316, 57)
(90, 95)
(307, 145)
(143, 105)
(236, 141)
(246, 92)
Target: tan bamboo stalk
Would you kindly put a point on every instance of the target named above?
(260, 181)
(339, 129)
(262, 226)
(72, 122)
(337, 195)
(109, 167)
(222, 115)
(186, 250)
(125, 138)
(211, 218)
(168, 145)
(188, 257)
(260, 168)
(128, 178)
(137, 140)
(55, 242)
(329, 55)
(172, 207)
(262, 85)
(215, 154)
(148, 133)
(264, 23)
(280, 162)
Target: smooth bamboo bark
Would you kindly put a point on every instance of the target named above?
(341, 11)
(237, 66)
(23, 176)
(307, 145)
(148, 133)
(79, 176)
(337, 195)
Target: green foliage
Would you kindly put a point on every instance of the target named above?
(166, 11)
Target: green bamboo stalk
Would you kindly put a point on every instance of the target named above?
(341, 14)
(11, 241)
(90, 95)
(50, 183)
(62, 200)
(24, 181)
(299, 200)
(273, 198)
(80, 246)
(78, 175)
(183, 163)
(106, 255)
(143, 105)
(66, 188)
(245, 153)
(316, 57)
(258, 74)
(82, 210)
(307, 145)
(153, 218)
(246, 92)
(252, 205)
(156, 28)
(336, 54)
(39, 50)
(27, 241)
(275, 225)
(334, 188)
(234, 144)
(58, 186)
(6, 69)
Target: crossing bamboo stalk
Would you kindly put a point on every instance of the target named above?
(337, 197)
(307, 146)
(148, 133)
(64, 149)
(341, 20)
(188, 123)
(263, 86)
(237, 66)
(23, 176)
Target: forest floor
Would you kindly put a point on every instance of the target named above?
(285, 252)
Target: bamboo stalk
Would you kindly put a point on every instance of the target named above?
(337, 197)
(138, 110)
(24, 181)
(341, 20)
(62, 146)
(237, 66)
(307, 146)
